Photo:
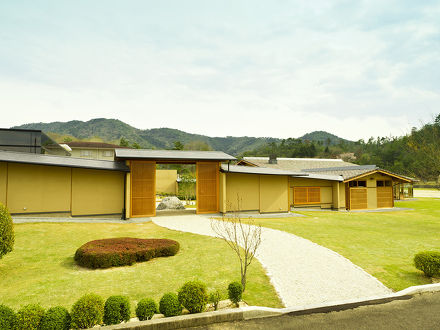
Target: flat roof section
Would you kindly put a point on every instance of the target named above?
(172, 155)
(39, 159)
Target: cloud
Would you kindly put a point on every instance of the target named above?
(254, 68)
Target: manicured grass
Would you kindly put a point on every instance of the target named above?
(383, 244)
(41, 268)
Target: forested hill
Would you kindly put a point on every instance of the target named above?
(112, 130)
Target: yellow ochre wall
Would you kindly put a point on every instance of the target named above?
(328, 190)
(274, 193)
(222, 192)
(28, 188)
(97, 192)
(262, 193)
(38, 188)
(246, 187)
(3, 181)
(166, 181)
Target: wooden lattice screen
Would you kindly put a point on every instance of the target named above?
(143, 188)
(385, 197)
(306, 195)
(207, 187)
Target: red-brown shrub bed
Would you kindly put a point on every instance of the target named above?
(113, 252)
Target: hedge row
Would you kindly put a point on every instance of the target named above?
(428, 262)
(90, 310)
(113, 252)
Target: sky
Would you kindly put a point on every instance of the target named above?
(223, 68)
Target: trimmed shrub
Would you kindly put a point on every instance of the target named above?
(7, 318)
(6, 231)
(116, 310)
(114, 252)
(428, 262)
(169, 305)
(87, 311)
(29, 317)
(235, 291)
(214, 299)
(56, 318)
(145, 309)
(192, 295)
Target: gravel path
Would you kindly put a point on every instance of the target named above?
(302, 272)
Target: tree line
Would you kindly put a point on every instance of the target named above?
(416, 154)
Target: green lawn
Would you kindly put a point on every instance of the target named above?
(383, 244)
(41, 268)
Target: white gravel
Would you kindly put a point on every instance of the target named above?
(302, 272)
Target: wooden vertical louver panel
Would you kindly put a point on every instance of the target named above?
(358, 198)
(306, 195)
(207, 187)
(385, 197)
(143, 188)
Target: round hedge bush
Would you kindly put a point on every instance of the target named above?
(113, 252)
(116, 310)
(6, 231)
(169, 305)
(7, 318)
(145, 309)
(428, 262)
(29, 317)
(235, 291)
(87, 311)
(56, 318)
(192, 295)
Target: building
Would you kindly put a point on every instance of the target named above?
(29, 140)
(41, 184)
(93, 150)
(334, 183)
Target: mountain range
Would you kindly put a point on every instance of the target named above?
(112, 130)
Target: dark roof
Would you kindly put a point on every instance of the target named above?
(297, 164)
(350, 172)
(39, 159)
(184, 155)
(83, 144)
(20, 129)
(258, 170)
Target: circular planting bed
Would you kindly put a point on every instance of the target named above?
(113, 252)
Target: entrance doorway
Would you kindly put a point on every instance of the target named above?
(143, 187)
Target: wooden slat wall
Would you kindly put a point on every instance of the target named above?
(385, 197)
(207, 187)
(306, 195)
(358, 198)
(143, 188)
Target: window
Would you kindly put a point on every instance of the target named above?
(355, 184)
(86, 153)
(306, 195)
(108, 153)
(384, 183)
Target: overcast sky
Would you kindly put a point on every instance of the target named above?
(258, 68)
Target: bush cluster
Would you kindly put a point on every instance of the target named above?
(193, 296)
(145, 309)
(87, 312)
(7, 318)
(56, 318)
(6, 231)
(235, 291)
(116, 310)
(169, 305)
(428, 262)
(123, 251)
(29, 317)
